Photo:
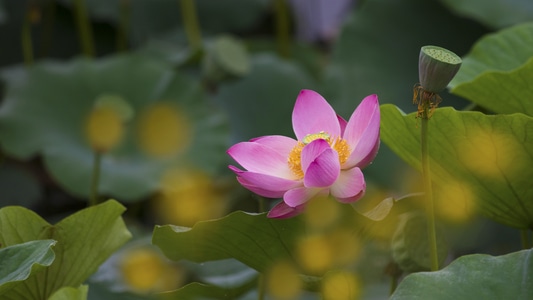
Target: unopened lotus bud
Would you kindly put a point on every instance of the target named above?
(105, 124)
(104, 129)
(436, 68)
(116, 103)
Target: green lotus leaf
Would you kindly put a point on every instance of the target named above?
(84, 241)
(194, 290)
(21, 261)
(496, 72)
(225, 57)
(480, 159)
(47, 106)
(101, 290)
(410, 244)
(477, 276)
(309, 57)
(264, 98)
(229, 273)
(70, 293)
(253, 239)
(493, 13)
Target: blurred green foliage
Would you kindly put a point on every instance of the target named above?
(233, 88)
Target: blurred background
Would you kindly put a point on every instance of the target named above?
(155, 91)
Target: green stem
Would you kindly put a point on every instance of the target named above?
(84, 28)
(282, 28)
(261, 290)
(393, 284)
(27, 45)
(430, 205)
(262, 205)
(394, 271)
(261, 287)
(47, 28)
(123, 25)
(524, 234)
(93, 200)
(191, 25)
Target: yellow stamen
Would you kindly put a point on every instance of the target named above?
(295, 156)
(342, 148)
(294, 160)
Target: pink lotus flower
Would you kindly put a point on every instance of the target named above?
(326, 159)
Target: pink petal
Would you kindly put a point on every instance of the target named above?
(281, 144)
(312, 114)
(320, 164)
(362, 131)
(266, 182)
(352, 199)
(311, 151)
(260, 191)
(350, 186)
(342, 123)
(282, 211)
(299, 196)
(259, 158)
(365, 161)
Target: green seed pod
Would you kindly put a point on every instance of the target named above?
(410, 246)
(436, 68)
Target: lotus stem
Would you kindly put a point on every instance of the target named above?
(261, 280)
(84, 28)
(95, 180)
(27, 45)
(123, 25)
(191, 25)
(282, 28)
(393, 284)
(430, 205)
(394, 271)
(526, 243)
(261, 287)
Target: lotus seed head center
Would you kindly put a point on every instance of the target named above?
(442, 55)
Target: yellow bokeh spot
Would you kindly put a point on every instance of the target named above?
(321, 212)
(144, 270)
(282, 281)
(315, 254)
(488, 153)
(345, 246)
(164, 131)
(341, 285)
(189, 196)
(454, 201)
(104, 128)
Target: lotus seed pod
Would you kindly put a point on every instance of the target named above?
(437, 67)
